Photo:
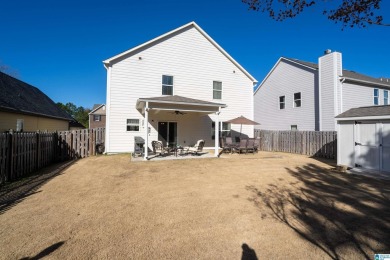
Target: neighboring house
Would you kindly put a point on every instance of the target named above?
(177, 88)
(97, 117)
(75, 125)
(299, 95)
(364, 138)
(25, 108)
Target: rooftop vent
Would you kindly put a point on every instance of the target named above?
(327, 51)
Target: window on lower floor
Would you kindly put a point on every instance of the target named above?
(282, 100)
(96, 117)
(376, 96)
(294, 127)
(297, 99)
(224, 129)
(385, 97)
(132, 125)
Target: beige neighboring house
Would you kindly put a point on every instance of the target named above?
(24, 108)
(97, 117)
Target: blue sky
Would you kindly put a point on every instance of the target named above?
(59, 46)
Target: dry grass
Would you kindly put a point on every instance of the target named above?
(280, 205)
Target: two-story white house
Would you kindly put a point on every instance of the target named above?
(178, 88)
(299, 95)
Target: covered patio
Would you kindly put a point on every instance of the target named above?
(179, 121)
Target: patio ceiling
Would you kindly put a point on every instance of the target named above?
(178, 103)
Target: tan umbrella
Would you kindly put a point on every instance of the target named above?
(241, 120)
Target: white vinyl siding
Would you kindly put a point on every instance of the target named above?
(217, 90)
(358, 96)
(329, 84)
(286, 79)
(186, 56)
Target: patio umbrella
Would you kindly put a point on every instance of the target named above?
(241, 120)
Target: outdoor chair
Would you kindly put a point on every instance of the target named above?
(158, 148)
(229, 141)
(195, 149)
(224, 146)
(241, 146)
(257, 144)
(250, 146)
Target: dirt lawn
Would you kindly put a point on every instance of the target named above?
(263, 206)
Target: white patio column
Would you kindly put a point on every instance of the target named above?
(216, 151)
(146, 130)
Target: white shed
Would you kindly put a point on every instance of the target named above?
(364, 138)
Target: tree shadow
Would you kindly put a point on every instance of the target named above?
(47, 251)
(15, 192)
(335, 212)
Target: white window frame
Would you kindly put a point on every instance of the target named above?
(162, 84)
(98, 116)
(133, 124)
(300, 99)
(284, 102)
(217, 90)
(385, 97)
(221, 130)
(294, 126)
(19, 125)
(376, 97)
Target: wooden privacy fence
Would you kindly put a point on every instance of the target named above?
(313, 143)
(24, 153)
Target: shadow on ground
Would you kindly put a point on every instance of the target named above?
(47, 251)
(248, 253)
(13, 193)
(337, 213)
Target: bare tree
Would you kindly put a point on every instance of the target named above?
(353, 13)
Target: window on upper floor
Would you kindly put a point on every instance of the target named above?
(96, 117)
(385, 97)
(297, 99)
(282, 101)
(376, 96)
(217, 90)
(167, 85)
(132, 125)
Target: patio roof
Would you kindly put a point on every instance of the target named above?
(178, 103)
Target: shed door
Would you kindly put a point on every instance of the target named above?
(367, 145)
(386, 147)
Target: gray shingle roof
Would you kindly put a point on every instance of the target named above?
(20, 97)
(347, 73)
(180, 99)
(366, 111)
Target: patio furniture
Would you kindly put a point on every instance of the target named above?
(224, 146)
(257, 144)
(250, 146)
(196, 149)
(229, 141)
(241, 146)
(158, 148)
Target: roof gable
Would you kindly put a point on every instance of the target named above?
(132, 51)
(282, 59)
(20, 97)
